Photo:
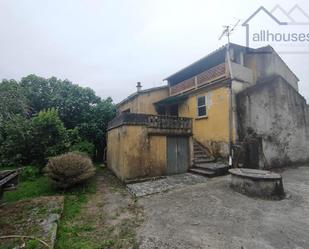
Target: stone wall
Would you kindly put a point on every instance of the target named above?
(280, 116)
(137, 143)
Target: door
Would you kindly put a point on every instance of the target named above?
(177, 155)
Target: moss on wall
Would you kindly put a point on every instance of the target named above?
(132, 153)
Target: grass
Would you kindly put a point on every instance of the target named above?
(73, 201)
(30, 189)
(81, 227)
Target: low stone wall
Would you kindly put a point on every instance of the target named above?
(279, 115)
(259, 183)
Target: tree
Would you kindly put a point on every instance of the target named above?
(57, 113)
(49, 136)
(38, 92)
(13, 101)
(72, 101)
(16, 141)
(94, 130)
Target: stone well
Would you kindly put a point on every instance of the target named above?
(258, 183)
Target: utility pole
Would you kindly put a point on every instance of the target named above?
(227, 32)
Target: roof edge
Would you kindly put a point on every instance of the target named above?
(205, 57)
(133, 95)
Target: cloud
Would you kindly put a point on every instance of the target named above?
(109, 45)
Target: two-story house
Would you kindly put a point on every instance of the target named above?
(191, 120)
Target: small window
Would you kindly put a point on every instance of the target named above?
(201, 106)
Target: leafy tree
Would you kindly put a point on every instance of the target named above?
(16, 141)
(84, 147)
(13, 101)
(94, 130)
(42, 117)
(49, 136)
(38, 92)
(72, 101)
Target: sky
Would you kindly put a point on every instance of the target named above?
(109, 45)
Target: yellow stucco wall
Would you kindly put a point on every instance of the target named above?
(131, 153)
(212, 130)
(143, 102)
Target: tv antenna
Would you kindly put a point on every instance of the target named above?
(228, 30)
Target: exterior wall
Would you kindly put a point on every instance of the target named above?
(143, 102)
(213, 130)
(242, 73)
(280, 116)
(131, 153)
(265, 65)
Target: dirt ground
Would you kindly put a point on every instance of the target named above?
(107, 220)
(211, 215)
(36, 217)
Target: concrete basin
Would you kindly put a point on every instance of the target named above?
(257, 183)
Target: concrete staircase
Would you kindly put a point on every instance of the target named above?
(204, 164)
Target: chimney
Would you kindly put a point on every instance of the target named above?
(139, 86)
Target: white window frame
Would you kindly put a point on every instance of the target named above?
(197, 106)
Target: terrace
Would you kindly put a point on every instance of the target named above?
(156, 124)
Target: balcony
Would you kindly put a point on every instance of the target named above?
(208, 76)
(155, 124)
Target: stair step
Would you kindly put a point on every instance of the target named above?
(218, 168)
(203, 160)
(199, 151)
(200, 154)
(203, 172)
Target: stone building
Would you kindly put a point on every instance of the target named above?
(205, 110)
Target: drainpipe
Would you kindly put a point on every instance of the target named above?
(228, 56)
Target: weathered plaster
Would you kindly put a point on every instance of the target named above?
(280, 115)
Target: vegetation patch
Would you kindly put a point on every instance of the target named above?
(96, 215)
(107, 218)
(35, 218)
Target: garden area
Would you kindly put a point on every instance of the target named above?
(54, 133)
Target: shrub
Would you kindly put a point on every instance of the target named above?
(69, 169)
(15, 141)
(84, 147)
(49, 137)
(29, 173)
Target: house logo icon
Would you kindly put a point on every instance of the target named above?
(287, 30)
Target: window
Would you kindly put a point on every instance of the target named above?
(201, 106)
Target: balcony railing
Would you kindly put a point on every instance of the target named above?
(151, 121)
(198, 80)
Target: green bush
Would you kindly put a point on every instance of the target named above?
(16, 136)
(49, 137)
(84, 147)
(29, 173)
(69, 169)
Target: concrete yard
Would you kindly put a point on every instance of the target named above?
(211, 215)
